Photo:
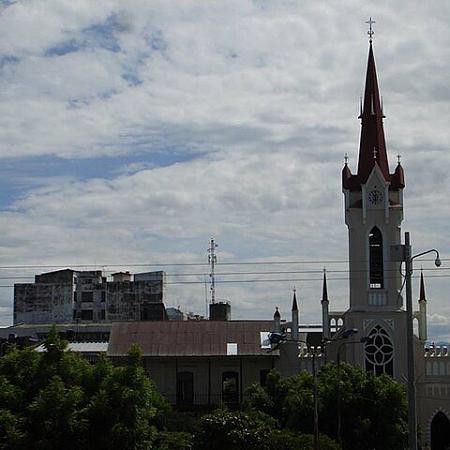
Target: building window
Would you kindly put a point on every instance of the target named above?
(230, 388)
(87, 314)
(379, 352)
(103, 296)
(102, 314)
(185, 388)
(87, 296)
(375, 259)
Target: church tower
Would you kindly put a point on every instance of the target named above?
(373, 214)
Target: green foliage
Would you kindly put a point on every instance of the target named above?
(289, 440)
(373, 409)
(225, 430)
(288, 400)
(173, 440)
(56, 400)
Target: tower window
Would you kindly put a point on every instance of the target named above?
(375, 259)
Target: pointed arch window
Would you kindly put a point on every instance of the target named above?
(376, 280)
(379, 352)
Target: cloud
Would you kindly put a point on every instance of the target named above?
(134, 132)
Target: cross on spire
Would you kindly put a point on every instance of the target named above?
(370, 32)
(346, 158)
(374, 153)
(399, 157)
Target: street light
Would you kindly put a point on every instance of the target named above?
(408, 259)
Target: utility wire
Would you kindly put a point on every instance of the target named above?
(235, 263)
(275, 272)
(263, 280)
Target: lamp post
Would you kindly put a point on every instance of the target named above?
(412, 414)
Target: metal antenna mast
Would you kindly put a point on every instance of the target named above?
(212, 259)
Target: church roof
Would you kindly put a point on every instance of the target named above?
(372, 147)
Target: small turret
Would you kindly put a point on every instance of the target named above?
(325, 307)
(277, 321)
(423, 332)
(294, 326)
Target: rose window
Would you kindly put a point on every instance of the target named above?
(379, 352)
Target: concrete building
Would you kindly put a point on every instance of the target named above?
(69, 296)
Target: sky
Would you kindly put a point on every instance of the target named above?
(132, 133)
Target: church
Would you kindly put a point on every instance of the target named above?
(373, 204)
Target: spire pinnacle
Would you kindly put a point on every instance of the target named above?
(422, 296)
(372, 132)
(294, 300)
(324, 286)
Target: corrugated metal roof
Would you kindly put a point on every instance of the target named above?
(81, 347)
(188, 338)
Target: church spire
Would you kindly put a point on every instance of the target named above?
(422, 296)
(372, 148)
(294, 301)
(324, 287)
(325, 310)
(294, 327)
(422, 314)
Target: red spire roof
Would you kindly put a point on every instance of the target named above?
(372, 148)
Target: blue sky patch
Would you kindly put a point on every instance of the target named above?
(20, 175)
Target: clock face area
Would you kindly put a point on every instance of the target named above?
(375, 197)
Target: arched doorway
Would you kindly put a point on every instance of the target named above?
(440, 432)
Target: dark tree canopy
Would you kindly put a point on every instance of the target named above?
(373, 409)
(56, 400)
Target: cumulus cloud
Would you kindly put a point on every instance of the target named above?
(224, 118)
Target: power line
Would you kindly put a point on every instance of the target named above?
(230, 263)
(274, 272)
(263, 280)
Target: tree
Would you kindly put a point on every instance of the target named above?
(57, 400)
(225, 430)
(288, 400)
(373, 409)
